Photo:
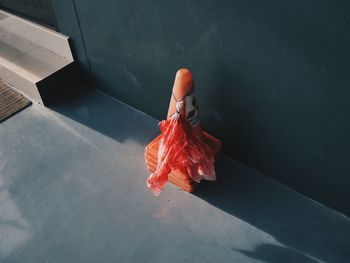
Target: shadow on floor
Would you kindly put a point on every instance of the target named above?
(106, 115)
(276, 254)
(308, 229)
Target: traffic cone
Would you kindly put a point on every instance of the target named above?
(184, 103)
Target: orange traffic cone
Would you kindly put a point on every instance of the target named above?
(183, 153)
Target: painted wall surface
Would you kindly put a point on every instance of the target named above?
(37, 10)
(272, 77)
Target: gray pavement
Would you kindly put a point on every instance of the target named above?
(72, 189)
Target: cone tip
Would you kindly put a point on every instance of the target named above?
(183, 82)
(183, 72)
(184, 75)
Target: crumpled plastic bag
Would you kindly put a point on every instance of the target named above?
(183, 149)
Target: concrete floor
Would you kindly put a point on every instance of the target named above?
(72, 189)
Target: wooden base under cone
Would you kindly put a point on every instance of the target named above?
(176, 177)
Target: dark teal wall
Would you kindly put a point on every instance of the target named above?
(37, 10)
(272, 77)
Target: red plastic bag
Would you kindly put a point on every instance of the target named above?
(184, 149)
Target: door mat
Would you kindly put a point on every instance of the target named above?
(11, 101)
